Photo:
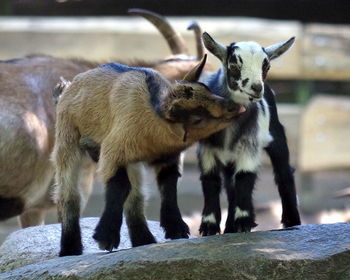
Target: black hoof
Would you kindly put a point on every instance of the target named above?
(241, 225)
(73, 249)
(106, 240)
(207, 229)
(140, 235)
(71, 244)
(71, 252)
(292, 219)
(176, 229)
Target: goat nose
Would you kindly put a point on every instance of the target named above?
(256, 88)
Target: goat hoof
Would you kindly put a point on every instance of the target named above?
(144, 240)
(207, 229)
(71, 251)
(141, 235)
(241, 225)
(176, 230)
(106, 242)
(293, 219)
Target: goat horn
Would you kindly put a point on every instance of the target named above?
(174, 39)
(198, 36)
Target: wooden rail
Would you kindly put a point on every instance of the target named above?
(321, 52)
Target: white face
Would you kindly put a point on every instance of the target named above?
(246, 69)
(245, 66)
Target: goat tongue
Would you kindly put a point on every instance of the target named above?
(241, 110)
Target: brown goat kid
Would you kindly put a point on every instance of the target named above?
(130, 115)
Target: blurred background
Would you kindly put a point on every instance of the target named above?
(312, 83)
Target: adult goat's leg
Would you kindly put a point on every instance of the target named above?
(67, 158)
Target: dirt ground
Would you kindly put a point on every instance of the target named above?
(316, 198)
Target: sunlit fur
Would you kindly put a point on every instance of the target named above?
(132, 114)
(235, 152)
(27, 119)
(252, 57)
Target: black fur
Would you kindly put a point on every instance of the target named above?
(154, 90)
(10, 207)
(265, 68)
(139, 233)
(71, 243)
(244, 82)
(216, 140)
(211, 186)
(243, 190)
(107, 232)
(279, 154)
(246, 124)
(240, 192)
(170, 216)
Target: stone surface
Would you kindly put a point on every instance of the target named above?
(35, 244)
(309, 252)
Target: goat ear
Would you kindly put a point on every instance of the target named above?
(217, 49)
(194, 74)
(280, 48)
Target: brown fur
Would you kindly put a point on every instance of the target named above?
(27, 119)
(104, 106)
(113, 110)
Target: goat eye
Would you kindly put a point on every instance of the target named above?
(196, 120)
(235, 71)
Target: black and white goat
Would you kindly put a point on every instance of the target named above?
(236, 151)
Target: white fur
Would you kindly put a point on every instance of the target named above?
(244, 157)
(239, 213)
(209, 219)
(208, 159)
(251, 68)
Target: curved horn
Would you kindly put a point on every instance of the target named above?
(198, 36)
(174, 39)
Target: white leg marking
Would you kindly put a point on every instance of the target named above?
(209, 219)
(208, 160)
(239, 213)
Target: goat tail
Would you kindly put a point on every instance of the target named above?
(59, 88)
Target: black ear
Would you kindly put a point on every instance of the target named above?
(217, 49)
(280, 48)
(194, 74)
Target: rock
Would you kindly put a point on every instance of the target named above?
(309, 252)
(35, 244)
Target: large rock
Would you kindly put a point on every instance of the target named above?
(35, 244)
(309, 252)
